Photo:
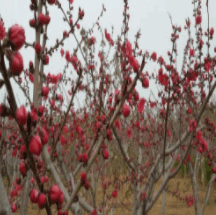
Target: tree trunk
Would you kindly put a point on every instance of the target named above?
(25, 195)
(5, 208)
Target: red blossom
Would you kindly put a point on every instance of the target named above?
(22, 168)
(109, 39)
(34, 194)
(2, 31)
(51, 1)
(198, 19)
(211, 32)
(31, 78)
(13, 207)
(141, 105)
(45, 59)
(85, 158)
(41, 200)
(55, 193)
(114, 194)
(83, 176)
(125, 110)
(17, 36)
(145, 82)
(105, 154)
(35, 146)
(16, 63)
(45, 91)
(154, 56)
(21, 115)
(94, 212)
(191, 52)
(37, 48)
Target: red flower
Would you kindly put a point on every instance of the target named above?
(74, 61)
(83, 176)
(43, 19)
(204, 145)
(105, 154)
(211, 32)
(154, 56)
(41, 200)
(40, 110)
(94, 212)
(35, 146)
(17, 37)
(2, 31)
(109, 135)
(70, 21)
(125, 110)
(16, 63)
(62, 52)
(128, 49)
(192, 125)
(134, 63)
(145, 82)
(81, 14)
(51, 2)
(191, 52)
(67, 56)
(141, 105)
(214, 169)
(60, 212)
(199, 135)
(114, 194)
(45, 59)
(198, 20)
(55, 193)
(44, 136)
(32, 23)
(163, 79)
(34, 194)
(61, 199)
(80, 157)
(207, 65)
(22, 168)
(85, 158)
(33, 115)
(13, 207)
(109, 39)
(87, 184)
(31, 77)
(37, 48)
(21, 115)
(45, 91)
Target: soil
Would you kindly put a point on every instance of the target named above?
(173, 205)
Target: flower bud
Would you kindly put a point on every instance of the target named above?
(125, 110)
(16, 63)
(35, 146)
(34, 194)
(21, 115)
(17, 37)
(41, 200)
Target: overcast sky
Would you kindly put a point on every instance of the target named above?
(150, 16)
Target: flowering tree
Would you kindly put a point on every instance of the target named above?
(61, 153)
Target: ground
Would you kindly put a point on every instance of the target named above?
(173, 206)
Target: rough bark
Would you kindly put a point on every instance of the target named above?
(5, 208)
